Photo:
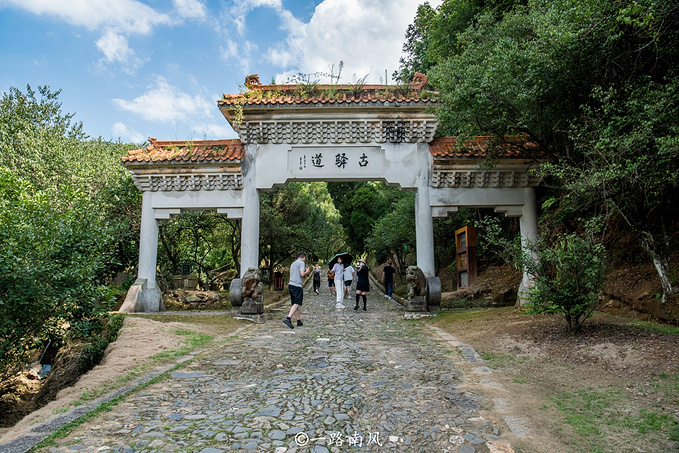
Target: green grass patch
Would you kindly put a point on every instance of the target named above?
(67, 429)
(502, 360)
(654, 327)
(597, 414)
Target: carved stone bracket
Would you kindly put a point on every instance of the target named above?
(183, 182)
(338, 131)
(455, 179)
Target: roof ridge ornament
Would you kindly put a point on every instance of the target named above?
(419, 81)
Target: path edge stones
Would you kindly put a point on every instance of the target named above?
(44, 430)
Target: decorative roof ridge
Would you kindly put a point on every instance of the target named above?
(223, 141)
(481, 146)
(329, 93)
(179, 151)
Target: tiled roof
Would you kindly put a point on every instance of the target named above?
(295, 95)
(483, 146)
(180, 151)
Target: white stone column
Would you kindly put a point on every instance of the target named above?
(148, 242)
(249, 236)
(150, 297)
(528, 223)
(424, 223)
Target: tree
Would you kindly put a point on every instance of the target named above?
(593, 84)
(63, 200)
(53, 251)
(394, 233)
(203, 239)
(299, 217)
(360, 204)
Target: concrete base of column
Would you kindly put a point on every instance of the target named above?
(141, 299)
(523, 296)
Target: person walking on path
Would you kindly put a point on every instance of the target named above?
(349, 275)
(317, 278)
(331, 282)
(362, 283)
(298, 271)
(338, 269)
(388, 279)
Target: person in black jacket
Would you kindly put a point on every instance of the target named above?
(362, 283)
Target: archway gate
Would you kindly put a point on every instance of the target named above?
(328, 133)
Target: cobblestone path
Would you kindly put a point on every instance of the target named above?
(345, 381)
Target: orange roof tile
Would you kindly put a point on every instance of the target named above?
(285, 95)
(181, 151)
(482, 146)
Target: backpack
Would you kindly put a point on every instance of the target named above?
(331, 274)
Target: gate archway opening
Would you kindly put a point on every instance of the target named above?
(327, 133)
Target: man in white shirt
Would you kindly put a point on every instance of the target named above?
(298, 271)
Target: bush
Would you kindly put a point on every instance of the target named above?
(568, 277)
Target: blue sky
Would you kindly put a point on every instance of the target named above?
(132, 69)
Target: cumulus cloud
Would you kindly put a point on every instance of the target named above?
(242, 53)
(127, 134)
(116, 19)
(165, 103)
(190, 9)
(367, 35)
(114, 47)
(127, 16)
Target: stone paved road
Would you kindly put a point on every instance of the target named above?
(345, 381)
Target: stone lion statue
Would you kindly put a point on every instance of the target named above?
(251, 284)
(417, 283)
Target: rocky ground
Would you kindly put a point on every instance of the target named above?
(345, 379)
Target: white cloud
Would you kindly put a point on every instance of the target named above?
(128, 16)
(367, 35)
(116, 19)
(241, 53)
(213, 131)
(241, 9)
(190, 9)
(126, 134)
(165, 103)
(114, 47)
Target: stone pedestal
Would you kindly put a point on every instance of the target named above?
(433, 299)
(414, 305)
(235, 293)
(252, 307)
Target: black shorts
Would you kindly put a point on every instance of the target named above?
(347, 282)
(331, 283)
(296, 294)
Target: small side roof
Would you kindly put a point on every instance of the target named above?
(187, 151)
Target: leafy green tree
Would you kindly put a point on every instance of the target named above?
(593, 84)
(394, 233)
(360, 204)
(205, 240)
(433, 36)
(67, 212)
(53, 251)
(298, 217)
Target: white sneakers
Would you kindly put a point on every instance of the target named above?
(339, 305)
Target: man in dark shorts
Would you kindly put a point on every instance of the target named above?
(298, 271)
(388, 279)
